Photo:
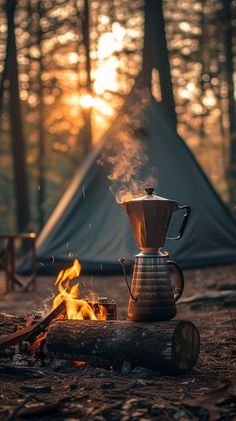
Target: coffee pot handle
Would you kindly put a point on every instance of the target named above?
(184, 222)
(122, 261)
(178, 291)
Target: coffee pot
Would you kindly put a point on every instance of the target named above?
(152, 296)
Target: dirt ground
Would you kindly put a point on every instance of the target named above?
(65, 392)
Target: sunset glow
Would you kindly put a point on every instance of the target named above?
(55, 91)
(86, 101)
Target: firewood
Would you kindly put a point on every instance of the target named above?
(171, 346)
(29, 333)
(9, 323)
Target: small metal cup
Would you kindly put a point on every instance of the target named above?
(109, 307)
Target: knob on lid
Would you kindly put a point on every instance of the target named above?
(149, 190)
(148, 196)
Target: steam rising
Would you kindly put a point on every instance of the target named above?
(125, 152)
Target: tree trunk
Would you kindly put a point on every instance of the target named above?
(3, 78)
(85, 135)
(171, 346)
(18, 144)
(155, 53)
(231, 100)
(41, 156)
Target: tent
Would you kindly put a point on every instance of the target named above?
(90, 225)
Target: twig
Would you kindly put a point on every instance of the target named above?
(209, 296)
(30, 319)
(43, 325)
(18, 408)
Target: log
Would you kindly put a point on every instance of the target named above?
(30, 333)
(171, 346)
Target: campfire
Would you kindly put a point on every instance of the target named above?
(67, 299)
(86, 331)
(66, 305)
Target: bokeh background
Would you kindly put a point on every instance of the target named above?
(66, 68)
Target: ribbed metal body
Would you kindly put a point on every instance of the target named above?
(151, 287)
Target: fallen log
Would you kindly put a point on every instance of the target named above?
(171, 346)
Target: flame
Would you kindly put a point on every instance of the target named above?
(75, 307)
(38, 341)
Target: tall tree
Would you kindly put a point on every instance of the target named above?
(155, 52)
(41, 154)
(86, 132)
(17, 139)
(231, 100)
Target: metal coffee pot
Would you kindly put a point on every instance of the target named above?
(152, 296)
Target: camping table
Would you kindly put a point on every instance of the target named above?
(8, 263)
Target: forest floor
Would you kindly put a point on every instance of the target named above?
(64, 392)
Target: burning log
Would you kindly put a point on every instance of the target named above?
(171, 346)
(9, 323)
(29, 333)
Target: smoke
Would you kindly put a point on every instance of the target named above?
(125, 154)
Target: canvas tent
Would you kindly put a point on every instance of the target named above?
(88, 223)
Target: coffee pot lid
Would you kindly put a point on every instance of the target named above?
(148, 196)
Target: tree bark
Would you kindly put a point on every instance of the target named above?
(18, 144)
(171, 346)
(155, 53)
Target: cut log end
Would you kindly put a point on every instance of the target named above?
(185, 346)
